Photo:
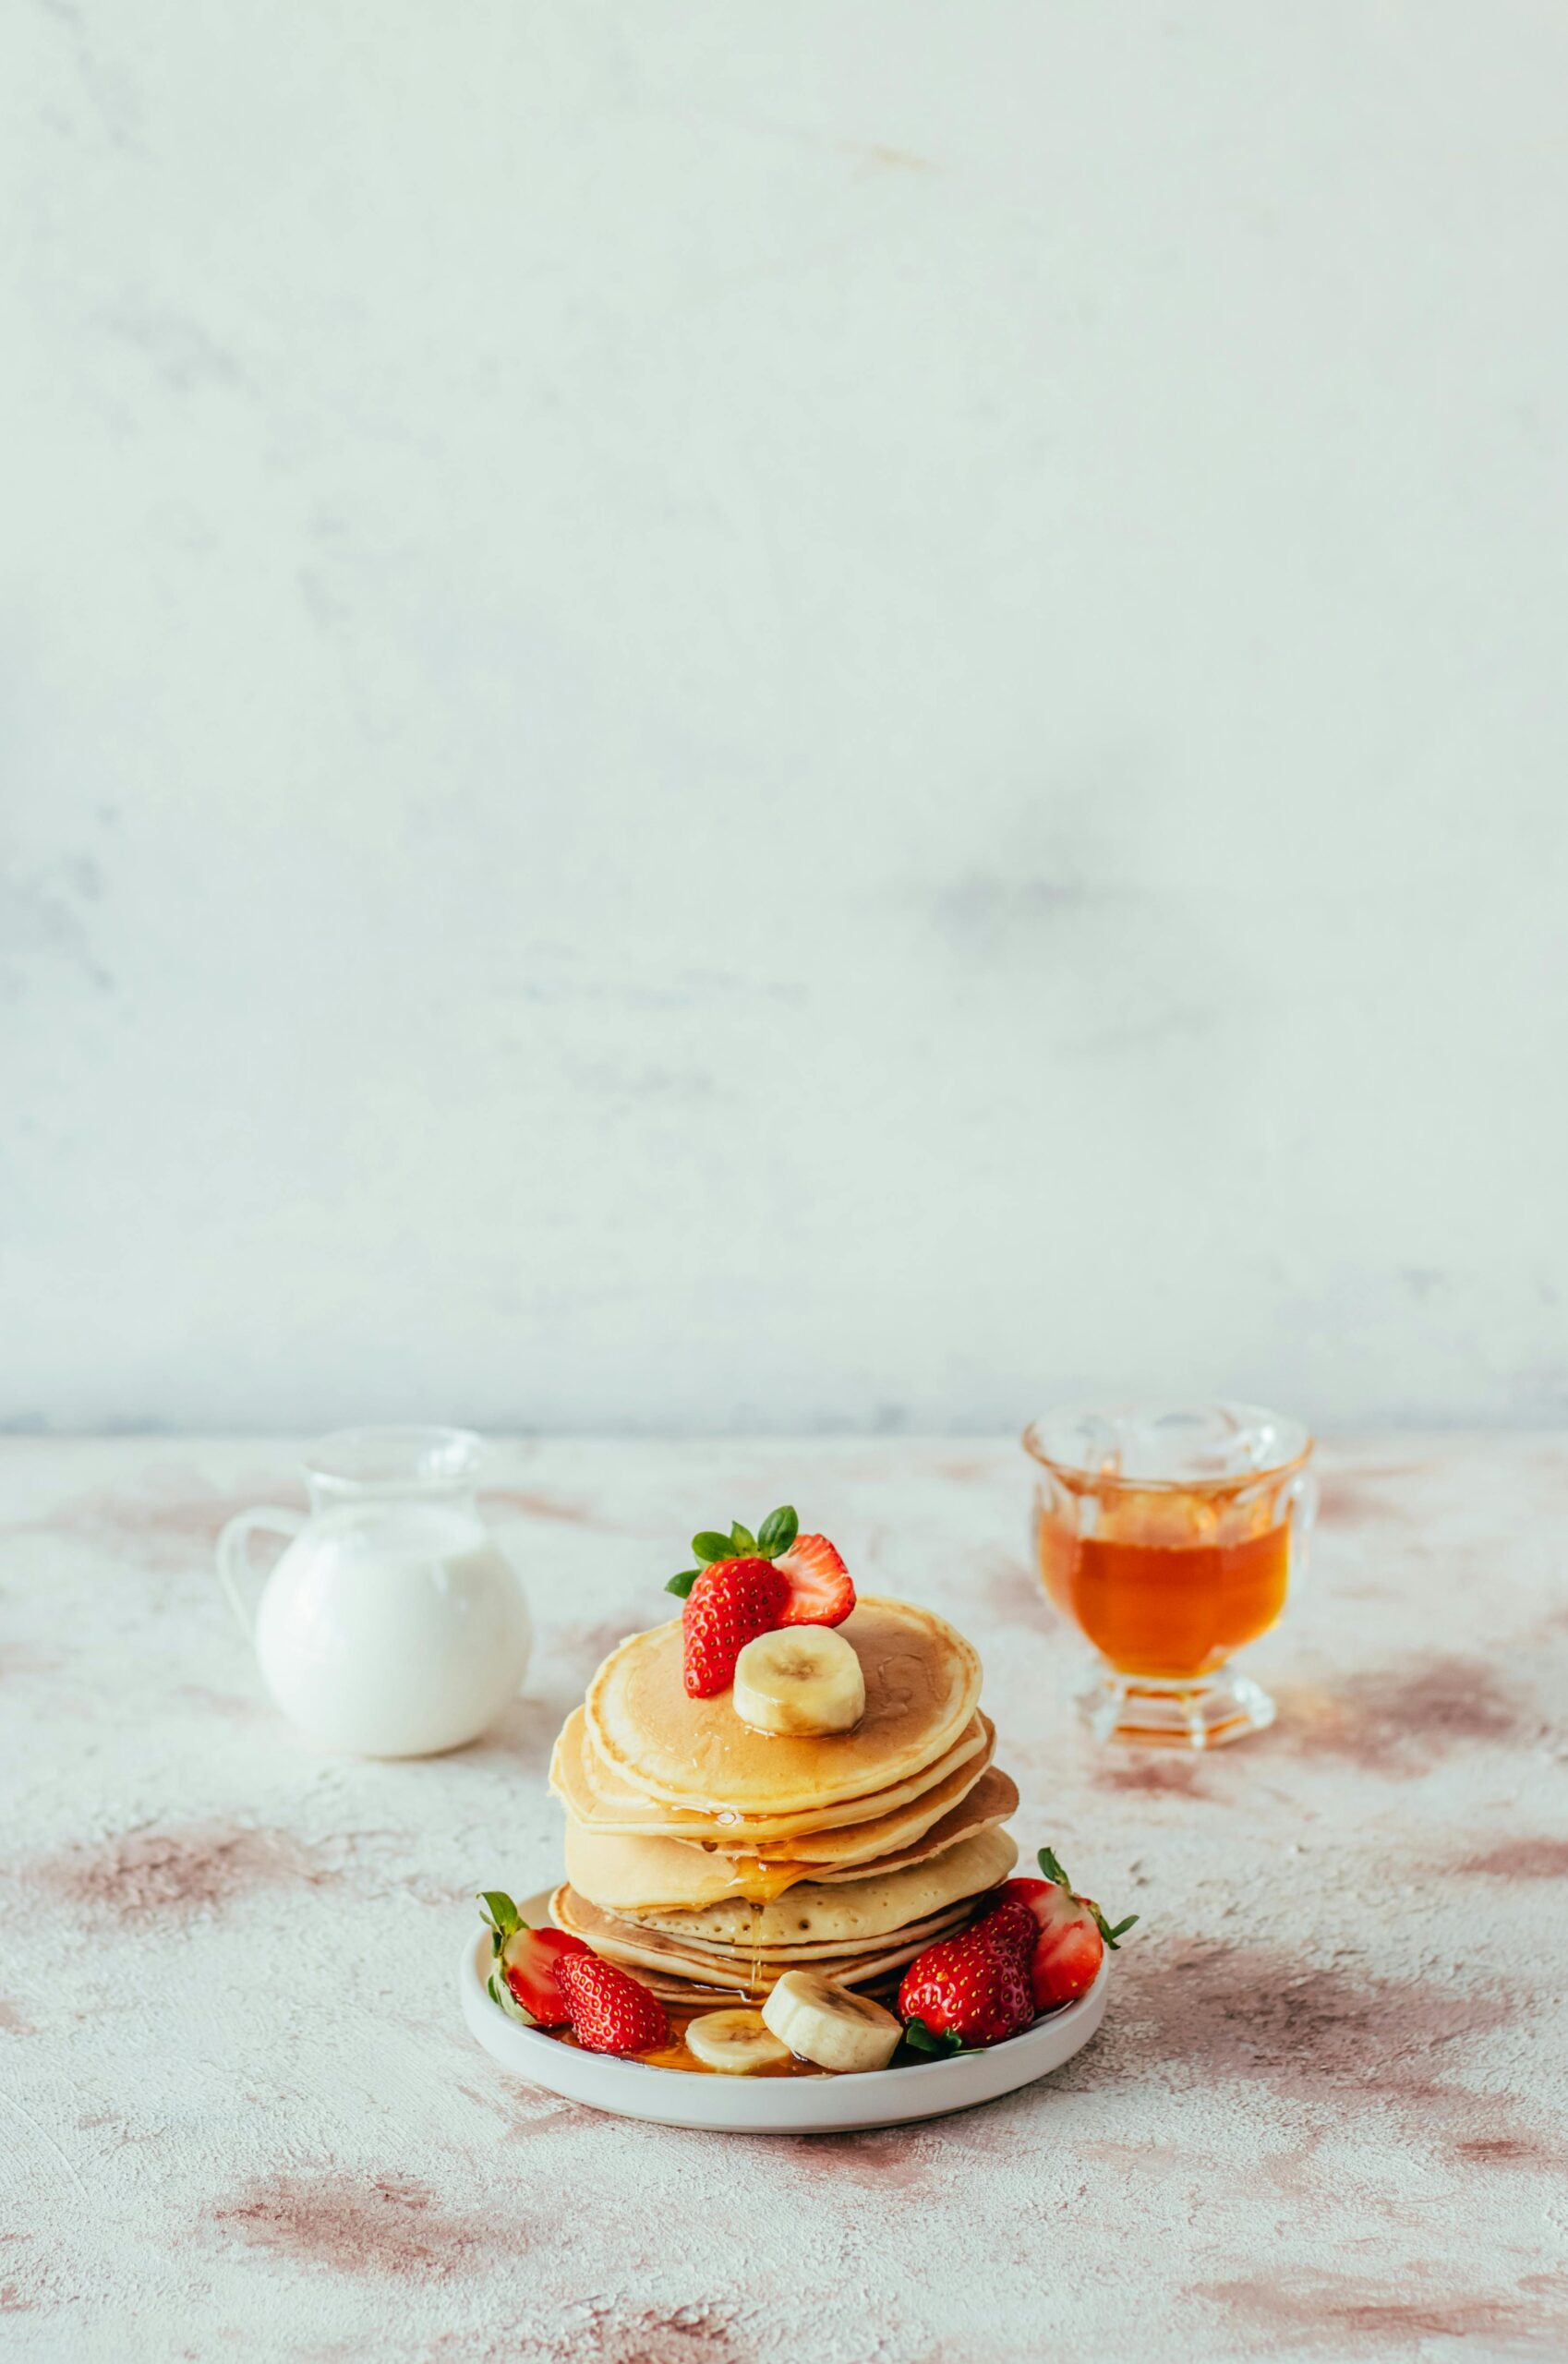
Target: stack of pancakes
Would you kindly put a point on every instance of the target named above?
(712, 1858)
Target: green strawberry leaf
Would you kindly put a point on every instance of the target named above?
(1052, 1870)
(497, 1908)
(506, 2001)
(777, 1532)
(742, 1539)
(682, 1583)
(942, 2042)
(1120, 1930)
(709, 1547)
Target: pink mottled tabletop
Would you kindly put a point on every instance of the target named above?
(242, 2117)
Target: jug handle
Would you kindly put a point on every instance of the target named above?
(234, 1555)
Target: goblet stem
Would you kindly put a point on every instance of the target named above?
(1209, 1712)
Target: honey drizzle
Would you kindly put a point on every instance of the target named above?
(754, 1967)
(677, 2054)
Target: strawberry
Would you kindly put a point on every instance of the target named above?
(1032, 1895)
(524, 1979)
(731, 1602)
(820, 1590)
(610, 2012)
(777, 1576)
(1066, 1963)
(1011, 1924)
(1072, 1932)
(964, 1992)
(529, 1966)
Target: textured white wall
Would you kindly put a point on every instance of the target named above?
(723, 715)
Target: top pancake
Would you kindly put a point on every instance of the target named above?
(922, 1685)
(857, 1826)
(857, 1830)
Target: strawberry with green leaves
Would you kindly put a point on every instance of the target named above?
(745, 1584)
(525, 1979)
(1064, 1940)
(544, 1978)
(1037, 1947)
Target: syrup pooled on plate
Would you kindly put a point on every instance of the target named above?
(677, 2054)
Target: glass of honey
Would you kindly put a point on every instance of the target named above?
(1170, 1535)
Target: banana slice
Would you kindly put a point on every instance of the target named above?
(830, 2025)
(735, 2042)
(802, 1679)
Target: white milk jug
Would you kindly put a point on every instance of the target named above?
(391, 1625)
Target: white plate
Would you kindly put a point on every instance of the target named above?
(767, 2104)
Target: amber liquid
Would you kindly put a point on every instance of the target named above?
(1167, 1587)
(677, 2053)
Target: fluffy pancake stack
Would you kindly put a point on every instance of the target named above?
(711, 1858)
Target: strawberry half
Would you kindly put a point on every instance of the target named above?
(963, 1992)
(524, 1979)
(777, 1576)
(1072, 1932)
(820, 1590)
(610, 2010)
(1066, 1963)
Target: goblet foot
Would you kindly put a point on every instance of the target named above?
(1209, 1712)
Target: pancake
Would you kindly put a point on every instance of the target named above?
(703, 1958)
(704, 1953)
(921, 1684)
(854, 1845)
(646, 1950)
(668, 1874)
(850, 1831)
(637, 1876)
(987, 1802)
(695, 1997)
(875, 1904)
